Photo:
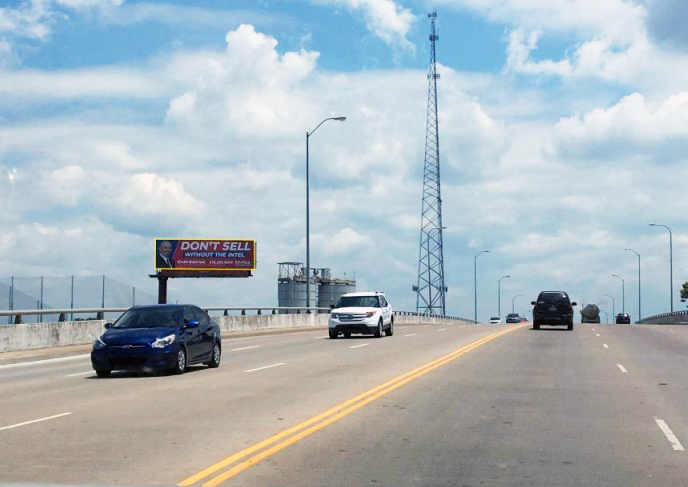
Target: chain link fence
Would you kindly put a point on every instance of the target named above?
(68, 292)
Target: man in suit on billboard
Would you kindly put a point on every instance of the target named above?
(163, 259)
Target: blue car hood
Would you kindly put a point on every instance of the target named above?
(113, 336)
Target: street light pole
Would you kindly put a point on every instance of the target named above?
(636, 253)
(512, 302)
(475, 284)
(613, 306)
(308, 221)
(671, 264)
(623, 294)
(499, 295)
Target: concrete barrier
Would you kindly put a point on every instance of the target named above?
(32, 336)
(675, 318)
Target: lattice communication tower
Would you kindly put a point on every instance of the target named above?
(430, 288)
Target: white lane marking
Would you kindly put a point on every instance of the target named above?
(80, 373)
(605, 345)
(266, 367)
(324, 336)
(442, 329)
(46, 361)
(675, 444)
(597, 334)
(592, 329)
(410, 335)
(34, 421)
(244, 348)
(622, 368)
(359, 346)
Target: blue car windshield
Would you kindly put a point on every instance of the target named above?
(149, 318)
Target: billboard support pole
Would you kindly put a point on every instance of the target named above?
(162, 289)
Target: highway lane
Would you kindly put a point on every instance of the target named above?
(531, 407)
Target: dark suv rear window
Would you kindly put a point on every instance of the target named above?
(553, 298)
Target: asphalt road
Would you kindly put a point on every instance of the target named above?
(485, 405)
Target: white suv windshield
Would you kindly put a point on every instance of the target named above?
(358, 302)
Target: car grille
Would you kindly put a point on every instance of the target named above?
(128, 346)
(138, 361)
(351, 317)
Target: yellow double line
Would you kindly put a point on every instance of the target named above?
(296, 433)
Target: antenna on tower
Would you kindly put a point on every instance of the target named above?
(430, 288)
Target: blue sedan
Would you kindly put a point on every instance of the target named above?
(158, 337)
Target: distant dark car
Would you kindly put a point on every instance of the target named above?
(623, 319)
(158, 337)
(553, 308)
(513, 318)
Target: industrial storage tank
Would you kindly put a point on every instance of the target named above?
(291, 287)
(332, 288)
(325, 290)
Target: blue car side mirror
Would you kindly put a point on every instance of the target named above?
(191, 324)
(108, 325)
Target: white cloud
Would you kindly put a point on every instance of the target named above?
(518, 56)
(617, 17)
(88, 82)
(634, 126)
(149, 201)
(385, 18)
(345, 242)
(255, 88)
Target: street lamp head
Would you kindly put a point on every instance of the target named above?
(339, 119)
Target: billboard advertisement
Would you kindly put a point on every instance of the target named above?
(189, 254)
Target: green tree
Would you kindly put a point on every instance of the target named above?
(684, 291)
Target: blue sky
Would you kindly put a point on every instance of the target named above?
(563, 133)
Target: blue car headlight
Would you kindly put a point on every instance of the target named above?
(99, 344)
(164, 342)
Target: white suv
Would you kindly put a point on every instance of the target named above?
(364, 312)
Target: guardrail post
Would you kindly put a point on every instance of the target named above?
(62, 317)
(226, 313)
(273, 311)
(258, 311)
(99, 315)
(243, 312)
(17, 319)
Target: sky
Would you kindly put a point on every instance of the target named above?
(563, 132)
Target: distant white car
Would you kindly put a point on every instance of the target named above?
(361, 312)
(495, 320)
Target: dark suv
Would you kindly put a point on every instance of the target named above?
(553, 308)
(623, 319)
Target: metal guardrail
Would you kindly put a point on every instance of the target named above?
(243, 310)
(100, 312)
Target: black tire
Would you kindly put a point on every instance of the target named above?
(570, 326)
(180, 364)
(536, 326)
(217, 356)
(390, 331)
(347, 334)
(378, 330)
(103, 373)
(333, 335)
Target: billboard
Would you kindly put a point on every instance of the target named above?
(188, 254)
